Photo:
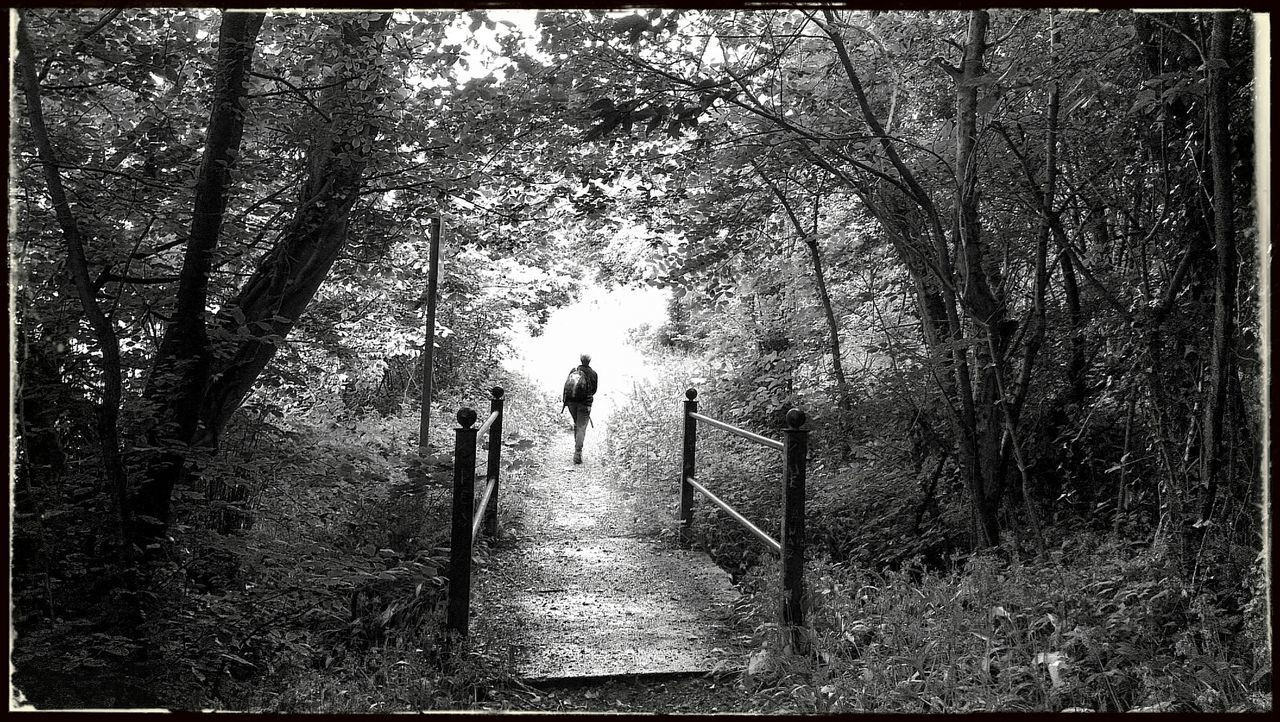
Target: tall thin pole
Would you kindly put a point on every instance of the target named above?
(794, 453)
(428, 361)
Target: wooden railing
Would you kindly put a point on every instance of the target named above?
(792, 547)
(469, 520)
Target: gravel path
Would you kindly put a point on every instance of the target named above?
(582, 584)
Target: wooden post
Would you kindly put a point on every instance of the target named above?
(495, 462)
(428, 360)
(687, 466)
(795, 449)
(464, 479)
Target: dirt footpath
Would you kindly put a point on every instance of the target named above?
(581, 584)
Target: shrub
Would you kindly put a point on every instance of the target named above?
(1104, 626)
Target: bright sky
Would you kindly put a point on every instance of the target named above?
(481, 59)
(484, 58)
(596, 324)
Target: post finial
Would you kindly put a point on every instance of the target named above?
(466, 417)
(497, 392)
(795, 418)
(691, 394)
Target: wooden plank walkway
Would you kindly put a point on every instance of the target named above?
(584, 586)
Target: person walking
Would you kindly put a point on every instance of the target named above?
(579, 392)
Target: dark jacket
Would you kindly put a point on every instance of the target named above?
(592, 381)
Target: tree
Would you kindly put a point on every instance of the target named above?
(1024, 245)
(182, 367)
(214, 195)
(99, 320)
(196, 381)
(1212, 459)
(317, 134)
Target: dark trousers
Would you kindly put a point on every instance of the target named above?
(581, 414)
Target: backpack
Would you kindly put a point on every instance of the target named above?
(575, 387)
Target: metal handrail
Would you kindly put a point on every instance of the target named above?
(484, 504)
(489, 475)
(487, 423)
(792, 547)
(771, 443)
(760, 534)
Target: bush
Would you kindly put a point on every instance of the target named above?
(1103, 626)
(901, 623)
(334, 569)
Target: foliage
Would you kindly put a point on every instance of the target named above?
(334, 566)
(394, 678)
(1102, 626)
(1004, 261)
(900, 619)
(1032, 327)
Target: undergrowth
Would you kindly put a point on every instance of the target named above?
(1102, 626)
(319, 585)
(385, 650)
(901, 619)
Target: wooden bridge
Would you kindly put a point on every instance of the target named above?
(586, 584)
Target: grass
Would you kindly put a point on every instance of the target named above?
(1102, 624)
(336, 601)
(1108, 629)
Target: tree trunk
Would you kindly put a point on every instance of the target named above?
(944, 286)
(180, 372)
(270, 302)
(986, 458)
(1224, 288)
(1014, 398)
(1077, 366)
(815, 256)
(210, 379)
(833, 326)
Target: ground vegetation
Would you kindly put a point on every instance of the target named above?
(1008, 262)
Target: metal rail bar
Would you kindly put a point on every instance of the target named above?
(493, 416)
(740, 432)
(484, 504)
(759, 533)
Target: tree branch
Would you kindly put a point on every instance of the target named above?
(103, 329)
(296, 91)
(106, 20)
